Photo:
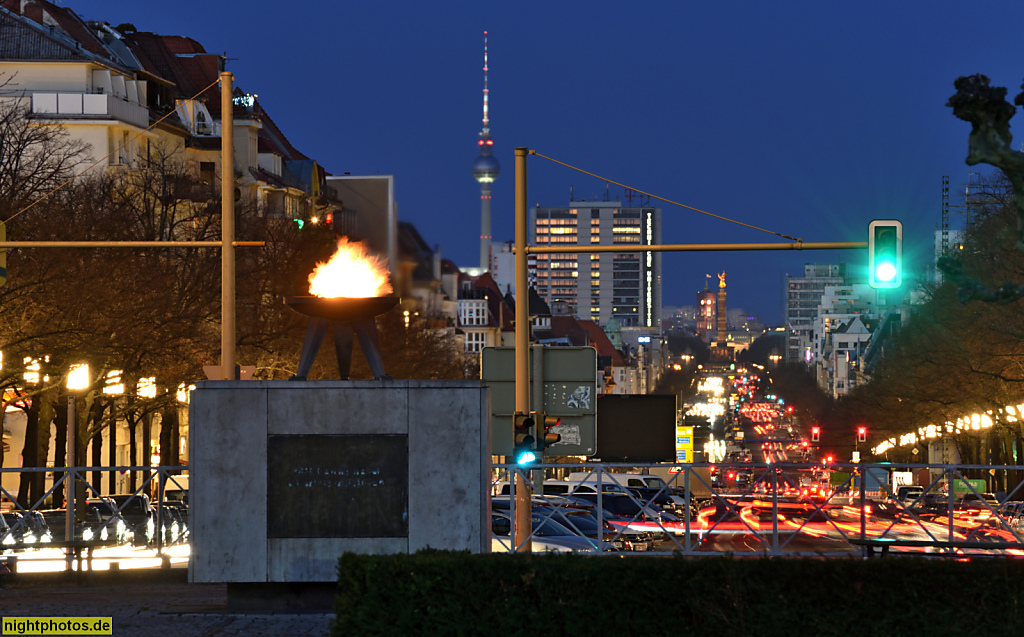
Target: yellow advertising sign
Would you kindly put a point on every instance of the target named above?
(684, 444)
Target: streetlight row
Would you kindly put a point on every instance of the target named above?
(972, 422)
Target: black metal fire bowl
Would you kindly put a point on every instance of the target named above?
(347, 317)
(341, 308)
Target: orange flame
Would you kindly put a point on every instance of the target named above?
(351, 272)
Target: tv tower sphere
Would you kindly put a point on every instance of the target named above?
(486, 168)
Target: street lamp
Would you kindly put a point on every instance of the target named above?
(78, 379)
(146, 388)
(113, 386)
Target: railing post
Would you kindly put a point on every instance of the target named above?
(863, 513)
(775, 511)
(688, 504)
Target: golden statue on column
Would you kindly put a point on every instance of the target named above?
(721, 352)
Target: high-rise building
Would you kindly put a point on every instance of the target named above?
(802, 295)
(485, 171)
(599, 286)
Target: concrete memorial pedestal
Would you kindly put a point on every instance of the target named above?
(285, 476)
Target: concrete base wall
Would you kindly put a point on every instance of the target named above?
(447, 427)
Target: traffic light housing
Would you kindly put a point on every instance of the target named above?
(523, 439)
(885, 254)
(815, 434)
(545, 436)
(862, 434)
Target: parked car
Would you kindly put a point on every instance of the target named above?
(549, 536)
(89, 527)
(621, 505)
(1013, 513)
(662, 498)
(24, 527)
(908, 493)
(564, 487)
(977, 502)
(7, 536)
(113, 522)
(621, 510)
(936, 502)
(138, 515)
(37, 523)
(174, 521)
(581, 519)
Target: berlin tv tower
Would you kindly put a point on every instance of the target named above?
(485, 170)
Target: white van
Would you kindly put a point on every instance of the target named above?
(562, 487)
(634, 480)
(176, 489)
(629, 481)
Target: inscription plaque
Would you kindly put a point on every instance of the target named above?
(337, 486)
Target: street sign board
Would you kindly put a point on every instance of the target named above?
(568, 390)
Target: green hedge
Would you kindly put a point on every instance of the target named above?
(445, 593)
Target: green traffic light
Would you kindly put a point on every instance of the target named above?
(885, 271)
(523, 438)
(885, 254)
(526, 457)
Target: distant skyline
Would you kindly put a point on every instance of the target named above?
(804, 118)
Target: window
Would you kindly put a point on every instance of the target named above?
(207, 175)
(475, 341)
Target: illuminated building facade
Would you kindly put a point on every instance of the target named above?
(707, 314)
(599, 287)
(802, 295)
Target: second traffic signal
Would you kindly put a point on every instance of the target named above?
(545, 436)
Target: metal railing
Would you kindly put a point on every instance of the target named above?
(146, 526)
(783, 509)
(743, 508)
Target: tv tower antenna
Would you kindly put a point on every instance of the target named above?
(487, 120)
(485, 171)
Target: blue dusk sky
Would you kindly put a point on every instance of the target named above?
(806, 118)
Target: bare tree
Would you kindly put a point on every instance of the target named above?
(35, 157)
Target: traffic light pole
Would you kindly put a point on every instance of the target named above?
(523, 502)
(227, 226)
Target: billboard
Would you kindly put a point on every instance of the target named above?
(640, 428)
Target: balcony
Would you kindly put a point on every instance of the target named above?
(90, 106)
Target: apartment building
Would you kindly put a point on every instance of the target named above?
(597, 286)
